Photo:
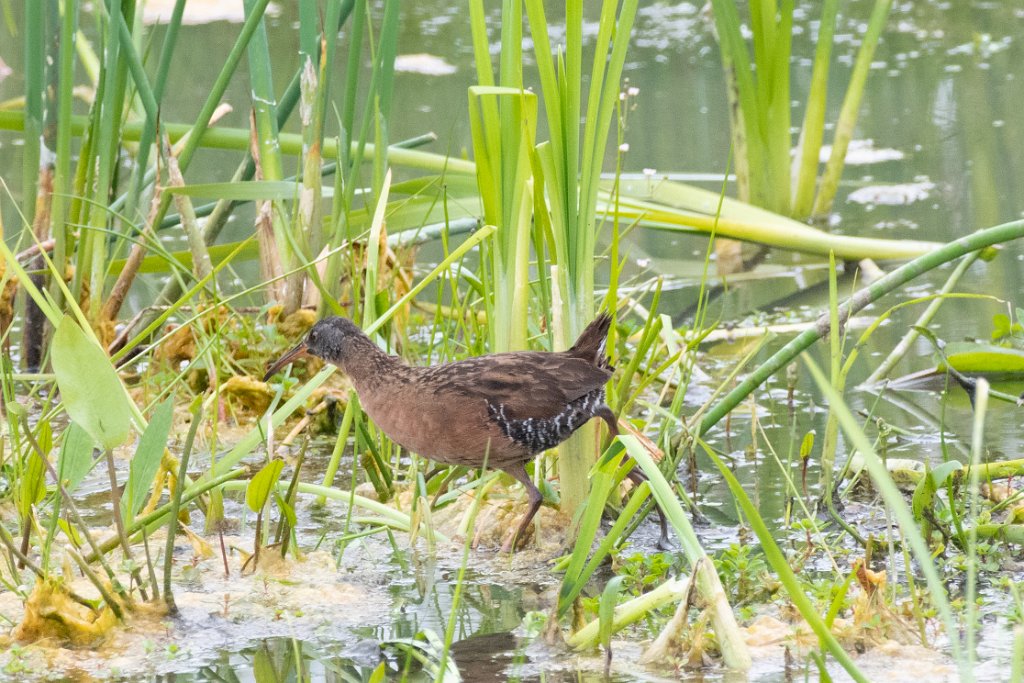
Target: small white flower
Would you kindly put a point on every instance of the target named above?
(624, 147)
(650, 172)
(633, 91)
(622, 96)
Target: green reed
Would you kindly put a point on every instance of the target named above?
(759, 90)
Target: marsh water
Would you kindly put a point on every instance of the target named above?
(941, 138)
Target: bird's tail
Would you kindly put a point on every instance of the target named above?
(591, 343)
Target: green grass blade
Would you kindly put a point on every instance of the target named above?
(971, 617)
(851, 106)
(35, 90)
(813, 130)
(604, 478)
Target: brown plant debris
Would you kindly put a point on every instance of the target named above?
(875, 619)
(179, 346)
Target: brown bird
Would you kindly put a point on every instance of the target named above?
(505, 407)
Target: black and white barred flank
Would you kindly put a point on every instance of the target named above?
(540, 434)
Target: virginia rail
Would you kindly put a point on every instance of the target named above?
(505, 407)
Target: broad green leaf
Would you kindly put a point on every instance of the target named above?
(17, 410)
(258, 490)
(263, 666)
(44, 436)
(942, 472)
(924, 496)
(923, 501)
(1000, 326)
(75, 459)
(807, 445)
(71, 532)
(147, 459)
(32, 486)
(89, 386)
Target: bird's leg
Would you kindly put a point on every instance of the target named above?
(518, 470)
(606, 414)
(433, 473)
(635, 475)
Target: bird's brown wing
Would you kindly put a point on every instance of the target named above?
(527, 384)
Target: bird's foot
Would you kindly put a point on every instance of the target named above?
(664, 544)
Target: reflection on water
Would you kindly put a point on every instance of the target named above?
(481, 659)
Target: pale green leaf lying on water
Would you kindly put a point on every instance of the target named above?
(405, 218)
(905, 473)
(668, 205)
(89, 386)
(995, 363)
(253, 190)
(1000, 361)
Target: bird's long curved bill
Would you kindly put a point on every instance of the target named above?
(298, 352)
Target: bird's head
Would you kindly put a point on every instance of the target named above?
(332, 339)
